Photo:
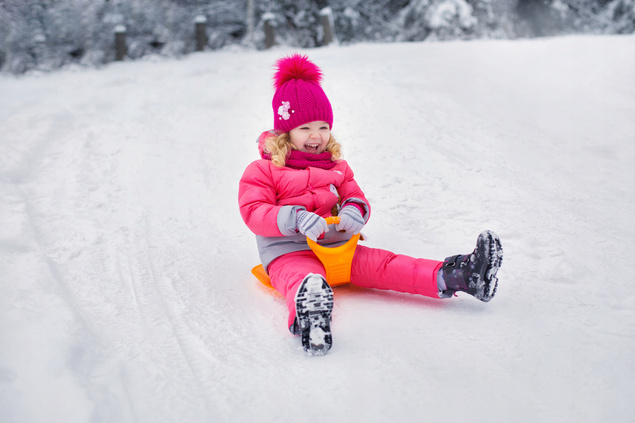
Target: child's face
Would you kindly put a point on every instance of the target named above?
(311, 137)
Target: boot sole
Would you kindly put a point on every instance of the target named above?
(314, 305)
(490, 251)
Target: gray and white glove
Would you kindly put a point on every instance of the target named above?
(351, 220)
(310, 224)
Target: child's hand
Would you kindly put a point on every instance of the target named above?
(310, 224)
(351, 220)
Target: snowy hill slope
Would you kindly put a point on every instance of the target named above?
(125, 291)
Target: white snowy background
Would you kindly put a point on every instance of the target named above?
(125, 285)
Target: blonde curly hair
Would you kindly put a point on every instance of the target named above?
(279, 147)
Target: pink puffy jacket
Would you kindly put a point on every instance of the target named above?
(269, 198)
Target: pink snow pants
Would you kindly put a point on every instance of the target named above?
(371, 268)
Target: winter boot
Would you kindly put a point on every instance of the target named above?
(474, 273)
(313, 307)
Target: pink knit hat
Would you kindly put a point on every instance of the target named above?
(299, 99)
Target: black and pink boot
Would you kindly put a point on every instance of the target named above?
(474, 273)
(313, 307)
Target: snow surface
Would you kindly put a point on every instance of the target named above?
(126, 293)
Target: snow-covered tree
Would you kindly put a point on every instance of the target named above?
(359, 20)
(538, 18)
(622, 15)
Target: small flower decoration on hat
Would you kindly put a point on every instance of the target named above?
(283, 110)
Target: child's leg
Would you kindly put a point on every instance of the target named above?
(381, 269)
(287, 273)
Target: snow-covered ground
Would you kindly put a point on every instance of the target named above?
(125, 285)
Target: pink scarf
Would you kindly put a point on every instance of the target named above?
(300, 160)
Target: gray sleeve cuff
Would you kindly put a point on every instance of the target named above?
(286, 219)
(361, 203)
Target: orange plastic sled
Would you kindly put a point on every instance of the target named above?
(337, 260)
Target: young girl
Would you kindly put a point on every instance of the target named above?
(301, 179)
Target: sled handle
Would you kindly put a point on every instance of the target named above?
(336, 260)
(332, 220)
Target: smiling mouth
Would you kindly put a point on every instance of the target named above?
(311, 148)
